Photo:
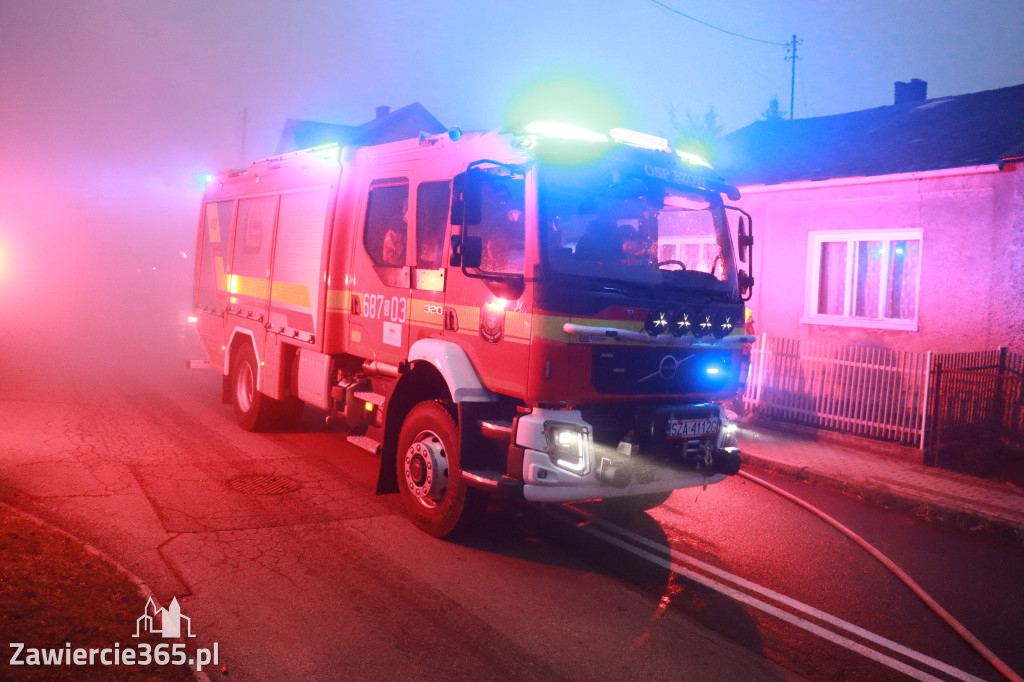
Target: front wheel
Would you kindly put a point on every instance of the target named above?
(429, 474)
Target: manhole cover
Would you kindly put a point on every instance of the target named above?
(263, 484)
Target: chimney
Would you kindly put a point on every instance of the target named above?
(382, 112)
(914, 91)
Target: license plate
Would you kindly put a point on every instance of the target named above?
(690, 428)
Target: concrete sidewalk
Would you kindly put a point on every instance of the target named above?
(886, 474)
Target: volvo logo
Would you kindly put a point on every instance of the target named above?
(667, 368)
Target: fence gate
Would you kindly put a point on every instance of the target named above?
(974, 397)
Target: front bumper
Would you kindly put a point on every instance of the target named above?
(610, 468)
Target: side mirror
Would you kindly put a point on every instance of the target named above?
(744, 240)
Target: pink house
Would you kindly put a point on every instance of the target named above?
(898, 227)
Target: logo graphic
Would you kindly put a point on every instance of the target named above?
(170, 620)
(667, 368)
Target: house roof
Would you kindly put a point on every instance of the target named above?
(388, 126)
(928, 134)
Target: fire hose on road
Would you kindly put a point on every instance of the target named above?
(964, 633)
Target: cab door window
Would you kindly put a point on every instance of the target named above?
(432, 202)
(385, 235)
(502, 226)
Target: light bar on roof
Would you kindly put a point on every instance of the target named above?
(566, 131)
(327, 152)
(692, 159)
(638, 139)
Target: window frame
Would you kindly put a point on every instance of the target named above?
(815, 241)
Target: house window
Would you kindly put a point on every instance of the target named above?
(864, 279)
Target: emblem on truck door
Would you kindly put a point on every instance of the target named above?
(492, 323)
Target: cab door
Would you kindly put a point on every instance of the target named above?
(487, 301)
(382, 272)
(426, 307)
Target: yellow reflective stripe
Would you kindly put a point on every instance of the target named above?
(550, 327)
(469, 316)
(290, 294)
(337, 300)
(517, 325)
(248, 286)
(418, 313)
(287, 293)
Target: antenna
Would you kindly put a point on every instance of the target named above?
(791, 57)
(243, 130)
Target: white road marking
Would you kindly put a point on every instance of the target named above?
(676, 556)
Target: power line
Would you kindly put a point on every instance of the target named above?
(717, 28)
(790, 46)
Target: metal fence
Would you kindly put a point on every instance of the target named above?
(874, 392)
(927, 400)
(975, 396)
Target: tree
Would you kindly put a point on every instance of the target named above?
(773, 112)
(697, 135)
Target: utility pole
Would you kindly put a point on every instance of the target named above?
(791, 57)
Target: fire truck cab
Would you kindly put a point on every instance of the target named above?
(545, 311)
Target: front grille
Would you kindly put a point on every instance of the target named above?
(664, 371)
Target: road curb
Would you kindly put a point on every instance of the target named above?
(884, 496)
(144, 590)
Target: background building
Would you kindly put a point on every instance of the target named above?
(899, 227)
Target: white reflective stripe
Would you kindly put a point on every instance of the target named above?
(835, 621)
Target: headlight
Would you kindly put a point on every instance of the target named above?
(568, 445)
(729, 432)
(658, 321)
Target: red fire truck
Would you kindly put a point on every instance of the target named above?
(546, 311)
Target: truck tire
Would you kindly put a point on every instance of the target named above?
(253, 410)
(436, 497)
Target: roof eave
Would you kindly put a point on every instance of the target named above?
(793, 185)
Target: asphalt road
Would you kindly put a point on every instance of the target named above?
(281, 555)
(279, 552)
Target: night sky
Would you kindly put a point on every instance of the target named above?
(110, 110)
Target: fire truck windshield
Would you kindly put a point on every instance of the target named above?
(634, 233)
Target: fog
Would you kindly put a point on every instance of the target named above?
(111, 110)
